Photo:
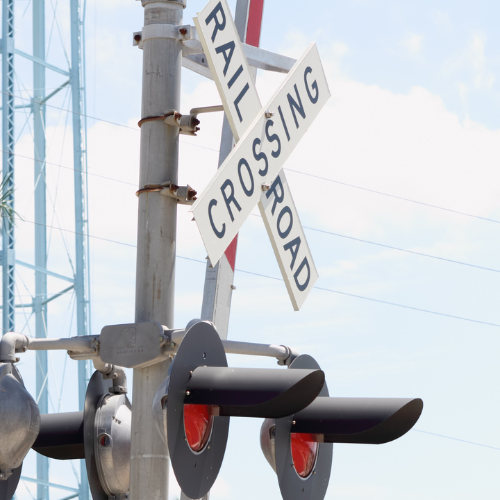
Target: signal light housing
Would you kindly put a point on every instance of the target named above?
(299, 447)
(19, 426)
(199, 377)
(100, 434)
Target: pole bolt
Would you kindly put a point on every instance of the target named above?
(183, 31)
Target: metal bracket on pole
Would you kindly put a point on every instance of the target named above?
(185, 195)
(185, 34)
(191, 47)
(188, 124)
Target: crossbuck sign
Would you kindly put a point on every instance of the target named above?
(266, 138)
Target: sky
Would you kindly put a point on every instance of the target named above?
(397, 186)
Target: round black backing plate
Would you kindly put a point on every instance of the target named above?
(292, 486)
(9, 486)
(195, 472)
(96, 389)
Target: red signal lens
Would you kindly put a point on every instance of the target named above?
(198, 425)
(304, 452)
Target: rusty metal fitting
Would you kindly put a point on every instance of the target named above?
(151, 188)
(173, 113)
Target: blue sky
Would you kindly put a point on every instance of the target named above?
(414, 114)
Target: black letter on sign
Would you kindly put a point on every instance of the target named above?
(219, 26)
(219, 234)
(234, 77)
(284, 123)
(294, 106)
(278, 198)
(260, 156)
(293, 246)
(298, 271)
(224, 48)
(238, 99)
(286, 232)
(230, 198)
(248, 192)
(314, 99)
(273, 138)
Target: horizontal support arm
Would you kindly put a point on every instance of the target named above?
(285, 355)
(74, 344)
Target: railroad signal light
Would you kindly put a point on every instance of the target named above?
(299, 447)
(100, 434)
(193, 404)
(19, 425)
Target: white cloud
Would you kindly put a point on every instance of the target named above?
(473, 59)
(412, 44)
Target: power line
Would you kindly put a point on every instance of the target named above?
(402, 249)
(70, 111)
(428, 311)
(362, 297)
(99, 119)
(76, 232)
(393, 196)
(422, 254)
(407, 307)
(72, 168)
(457, 439)
(414, 252)
(402, 198)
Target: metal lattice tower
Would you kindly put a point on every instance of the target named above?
(37, 105)
(8, 161)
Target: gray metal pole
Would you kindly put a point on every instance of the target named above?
(156, 237)
(42, 463)
(8, 142)
(80, 211)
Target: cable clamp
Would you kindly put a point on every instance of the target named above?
(176, 116)
(185, 195)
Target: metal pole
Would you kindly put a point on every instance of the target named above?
(8, 141)
(40, 306)
(156, 236)
(80, 211)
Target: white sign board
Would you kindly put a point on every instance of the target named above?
(260, 154)
(288, 240)
(235, 82)
(228, 64)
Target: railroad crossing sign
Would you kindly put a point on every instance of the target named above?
(266, 138)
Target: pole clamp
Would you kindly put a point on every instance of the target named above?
(183, 33)
(185, 195)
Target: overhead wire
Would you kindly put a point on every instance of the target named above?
(457, 439)
(361, 297)
(393, 196)
(428, 311)
(383, 245)
(414, 252)
(374, 191)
